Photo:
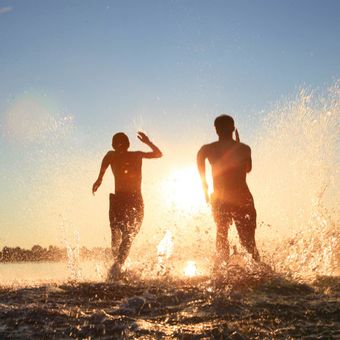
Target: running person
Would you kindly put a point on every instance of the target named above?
(126, 205)
(231, 200)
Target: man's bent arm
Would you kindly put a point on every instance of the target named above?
(201, 156)
(103, 167)
(155, 153)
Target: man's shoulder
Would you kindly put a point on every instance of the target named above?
(110, 154)
(108, 158)
(207, 147)
(244, 147)
(135, 154)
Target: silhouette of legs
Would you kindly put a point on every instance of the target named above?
(126, 216)
(128, 235)
(116, 239)
(245, 221)
(116, 233)
(223, 220)
(222, 243)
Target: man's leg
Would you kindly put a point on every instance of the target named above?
(115, 224)
(223, 221)
(245, 221)
(133, 222)
(116, 239)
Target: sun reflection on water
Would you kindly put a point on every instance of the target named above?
(191, 269)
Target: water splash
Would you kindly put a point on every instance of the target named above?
(73, 260)
(164, 251)
(73, 253)
(312, 252)
(165, 246)
(294, 183)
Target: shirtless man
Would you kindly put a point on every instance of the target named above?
(126, 205)
(231, 200)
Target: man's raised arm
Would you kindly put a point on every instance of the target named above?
(201, 156)
(103, 167)
(155, 153)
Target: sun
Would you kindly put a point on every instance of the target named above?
(182, 189)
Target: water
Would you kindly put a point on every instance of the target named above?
(240, 305)
(168, 289)
(43, 273)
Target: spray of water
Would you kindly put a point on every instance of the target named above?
(294, 183)
(73, 262)
(164, 252)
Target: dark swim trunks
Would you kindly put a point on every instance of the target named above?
(126, 216)
(126, 210)
(244, 218)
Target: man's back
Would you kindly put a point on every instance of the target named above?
(126, 165)
(127, 171)
(230, 162)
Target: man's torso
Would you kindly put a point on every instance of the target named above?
(229, 161)
(127, 171)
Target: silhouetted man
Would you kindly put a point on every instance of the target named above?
(231, 200)
(126, 205)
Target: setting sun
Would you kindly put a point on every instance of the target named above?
(182, 189)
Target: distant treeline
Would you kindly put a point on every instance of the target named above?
(52, 253)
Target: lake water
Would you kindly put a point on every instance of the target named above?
(36, 273)
(47, 300)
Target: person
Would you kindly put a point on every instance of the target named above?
(126, 204)
(231, 199)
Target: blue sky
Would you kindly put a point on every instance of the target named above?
(166, 66)
(96, 57)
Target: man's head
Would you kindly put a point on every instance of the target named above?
(120, 141)
(224, 125)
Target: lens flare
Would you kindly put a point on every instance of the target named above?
(32, 118)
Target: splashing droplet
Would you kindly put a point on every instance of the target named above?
(165, 246)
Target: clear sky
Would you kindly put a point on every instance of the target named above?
(74, 72)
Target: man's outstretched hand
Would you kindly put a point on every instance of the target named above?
(96, 185)
(143, 137)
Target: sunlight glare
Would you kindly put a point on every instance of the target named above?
(182, 189)
(191, 269)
